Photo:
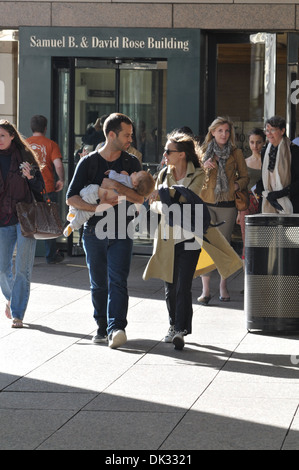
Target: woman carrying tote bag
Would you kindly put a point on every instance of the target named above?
(19, 175)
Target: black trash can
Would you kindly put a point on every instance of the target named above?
(272, 273)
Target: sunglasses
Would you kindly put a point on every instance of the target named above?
(167, 151)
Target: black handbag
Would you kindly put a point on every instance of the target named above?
(39, 220)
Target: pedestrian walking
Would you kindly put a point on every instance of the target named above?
(19, 175)
(108, 255)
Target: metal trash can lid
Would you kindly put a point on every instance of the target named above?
(287, 220)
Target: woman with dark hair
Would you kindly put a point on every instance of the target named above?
(279, 186)
(174, 260)
(256, 139)
(19, 175)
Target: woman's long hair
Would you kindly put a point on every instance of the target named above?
(219, 121)
(27, 153)
(185, 143)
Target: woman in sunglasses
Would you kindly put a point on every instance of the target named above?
(279, 186)
(226, 173)
(176, 252)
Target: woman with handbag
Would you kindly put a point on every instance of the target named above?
(19, 174)
(226, 173)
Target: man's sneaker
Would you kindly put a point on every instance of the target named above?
(170, 334)
(178, 340)
(117, 338)
(100, 339)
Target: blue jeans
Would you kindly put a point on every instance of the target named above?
(109, 264)
(16, 286)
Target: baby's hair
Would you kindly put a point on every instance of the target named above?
(146, 184)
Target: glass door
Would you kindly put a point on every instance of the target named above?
(143, 98)
(137, 89)
(248, 80)
(61, 125)
(87, 89)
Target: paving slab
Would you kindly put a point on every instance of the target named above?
(228, 388)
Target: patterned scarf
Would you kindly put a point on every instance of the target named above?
(15, 188)
(272, 158)
(221, 189)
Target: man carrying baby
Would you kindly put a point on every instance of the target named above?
(108, 259)
(141, 181)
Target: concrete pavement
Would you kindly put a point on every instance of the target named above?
(228, 389)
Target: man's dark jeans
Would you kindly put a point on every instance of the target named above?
(108, 263)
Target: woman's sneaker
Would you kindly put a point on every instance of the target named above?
(170, 334)
(178, 340)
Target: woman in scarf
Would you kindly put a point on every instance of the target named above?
(19, 174)
(280, 170)
(226, 173)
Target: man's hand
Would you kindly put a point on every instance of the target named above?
(105, 203)
(59, 186)
(108, 184)
(105, 200)
(122, 190)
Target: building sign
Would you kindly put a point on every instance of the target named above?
(112, 43)
(107, 41)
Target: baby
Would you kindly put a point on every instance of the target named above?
(142, 182)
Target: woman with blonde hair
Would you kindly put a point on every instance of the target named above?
(19, 175)
(226, 173)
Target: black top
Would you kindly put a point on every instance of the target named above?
(81, 178)
(36, 185)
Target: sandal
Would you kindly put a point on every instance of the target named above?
(204, 300)
(17, 323)
(224, 299)
(7, 311)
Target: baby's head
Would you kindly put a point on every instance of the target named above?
(143, 182)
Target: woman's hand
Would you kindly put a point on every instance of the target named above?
(208, 164)
(153, 196)
(26, 171)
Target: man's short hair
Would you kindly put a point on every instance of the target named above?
(38, 123)
(114, 121)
